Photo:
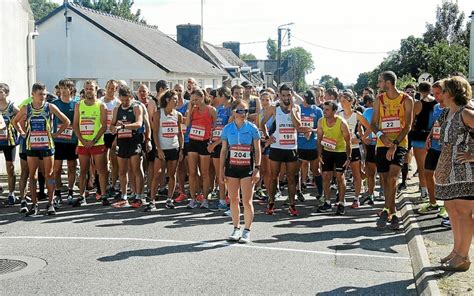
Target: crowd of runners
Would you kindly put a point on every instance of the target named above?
(229, 145)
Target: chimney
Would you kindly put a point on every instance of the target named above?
(190, 37)
(234, 46)
(471, 51)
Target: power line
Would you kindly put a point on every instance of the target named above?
(340, 50)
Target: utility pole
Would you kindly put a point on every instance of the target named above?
(281, 28)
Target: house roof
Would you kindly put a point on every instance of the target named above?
(145, 40)
(230, 56)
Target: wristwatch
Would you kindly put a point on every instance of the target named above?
(396, 142)
(256, 167)
(94, 140)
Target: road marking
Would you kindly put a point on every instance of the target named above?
(203, 243)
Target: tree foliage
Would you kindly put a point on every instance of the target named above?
(328, 81)
(301, 62)
(42, 8)
(445, 59)
(448, 26)
(362, 82)
(247, 56)
(121, 8)
(272, 49)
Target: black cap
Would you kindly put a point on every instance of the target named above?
(246, 84)
(309, 94)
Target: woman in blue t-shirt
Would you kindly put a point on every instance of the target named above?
(239, 166)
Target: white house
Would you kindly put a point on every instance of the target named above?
(17, 58)
(80, 43)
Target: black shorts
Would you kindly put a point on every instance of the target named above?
(233, 172)
(129, 148)
(199, 147)
(40, 153)
(9, 152)
(431, 160)
(355, 154)
(24, 157)
(65, 151)
(108, 140)
(370, 153)
(383, 165)
(283, 155)
(308, 154)
(333, 161)
(185, 149)
(171, 154)
(217, 152)
(151, 155)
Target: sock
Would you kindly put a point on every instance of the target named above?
(319, 184)
(247, 229)
(404, 172)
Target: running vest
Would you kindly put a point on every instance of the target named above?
(8, 136)
(285, 133)
(421, 127)
(127, 116)
(38, 134)
(89, 122)
(223, 115)
(392, 118)
(333, 139)
(67, 136)
(168, 130)
(309, 118)
(352, 122)
(201, 124)
(110, 106)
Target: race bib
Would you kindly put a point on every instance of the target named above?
(287, 136)
(216, 133)
(66, 134)
(39, 139)
(3, 134)
(329, 144)
(391, 125)
(169, 129)
(307, 121)
(240, 155)
(87, 127)
(436, 131)
(124, 133)
(197, 133)
(110, 114)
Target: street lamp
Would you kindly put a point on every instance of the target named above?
(280, 29)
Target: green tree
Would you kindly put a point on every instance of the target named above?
(412, 57)
(444, 59)
(247, 56)
(362, 82)
(448, 26)
(328, 81)
(403, 81)
(301, 62)
(272, 49)
(42, 8)
(121, 8)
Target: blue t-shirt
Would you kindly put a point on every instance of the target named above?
(68, 135)
(309, 117)
(245, 135)
(222, 118)
(436, 113)
(368, 115)
(183, 110)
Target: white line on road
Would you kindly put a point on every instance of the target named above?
(204, 243)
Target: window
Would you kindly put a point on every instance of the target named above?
(201, 83)
(214, 83)
(181, 82)
(151, 84)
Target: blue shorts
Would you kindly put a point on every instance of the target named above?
(418, 144)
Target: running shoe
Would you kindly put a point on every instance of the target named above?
(23, 207)
(380, 197)
(200, 198)
(428, 208)
(270, 209)
(383, 219)
(34, 210)
(204, 204)
(401, 187)
(394, 223)
(228, 213)
(443, 213)
(423, 197)
(326, 207)
(260, 194)
(192, 204)
(222, 206)
(245, 238)
(355, 204)
(50, 210)
(136, 203)
(446, 223)
(369, 199)
(79, 201)
(213, 195)
(181, 197)
(169, 204)
(300, 196)
(340, 211)
(70, 199)
(235, 235)
(11, 200)
(278, 194)
(121, 204)
(151, 207)
(292, 211)
(227, 200)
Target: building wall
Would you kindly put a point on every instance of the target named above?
(89, 53)
(16, 22)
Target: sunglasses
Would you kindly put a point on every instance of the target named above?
(241, 111)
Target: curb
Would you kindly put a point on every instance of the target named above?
(424, 274)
